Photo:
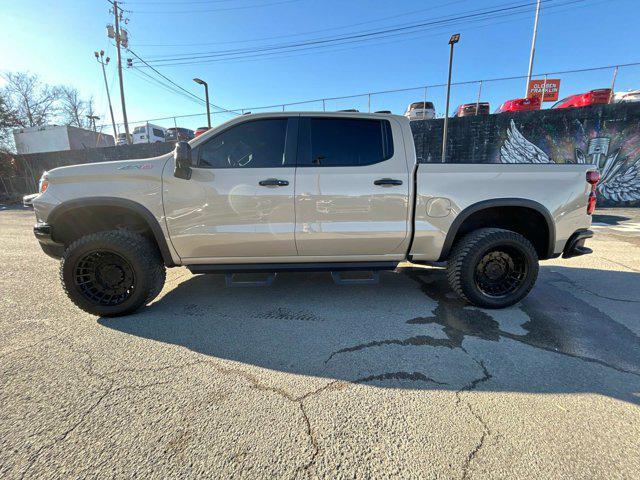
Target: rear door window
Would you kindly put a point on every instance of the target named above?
(344, 142)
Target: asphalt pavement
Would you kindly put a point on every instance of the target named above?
(307, 379)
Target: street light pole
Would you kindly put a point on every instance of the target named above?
(105, 61)
(533, 49)
(206, 97)
(452, 41)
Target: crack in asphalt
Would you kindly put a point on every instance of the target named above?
(64, 435)
(418, 340)
(574, 284)
(25, 347)
(89, 369)
(413, 376)
(619, 264)
(485, 428)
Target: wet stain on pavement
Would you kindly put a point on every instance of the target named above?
(558, 322)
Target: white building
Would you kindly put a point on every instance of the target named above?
(53, 138)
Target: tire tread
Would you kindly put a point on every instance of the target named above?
(138, 246)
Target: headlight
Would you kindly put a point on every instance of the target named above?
(44, 183)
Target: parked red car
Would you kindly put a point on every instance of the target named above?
(594, 97)
(520, 105)
(469, 109)
(200, 130)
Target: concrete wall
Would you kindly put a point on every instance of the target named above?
(604, 135)
(40, 162)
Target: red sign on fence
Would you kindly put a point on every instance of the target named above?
(551, 89)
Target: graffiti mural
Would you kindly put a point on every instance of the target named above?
(606, 136)
(620, 175)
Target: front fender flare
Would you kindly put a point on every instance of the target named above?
(158, 234)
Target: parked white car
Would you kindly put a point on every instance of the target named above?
(420, 111)
(626, 97)
(149, 134)
(121, 139)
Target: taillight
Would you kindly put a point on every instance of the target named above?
(593, 177)
(44, 183)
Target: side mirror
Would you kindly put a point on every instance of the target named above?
(182, 156)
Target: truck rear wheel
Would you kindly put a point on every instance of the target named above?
(492, 268)
(112, 273)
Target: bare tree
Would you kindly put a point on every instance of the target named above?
(7, 121)
(33, 103)
(74, 109)
(71, 106)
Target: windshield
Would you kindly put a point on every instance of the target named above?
(420, 105)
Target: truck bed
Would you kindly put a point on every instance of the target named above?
(447, 192)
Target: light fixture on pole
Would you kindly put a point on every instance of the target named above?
(455, 38)
(206, 97)
(105, 61)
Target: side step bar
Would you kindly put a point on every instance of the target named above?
(230, 281)
(292, 267)
(337, 271)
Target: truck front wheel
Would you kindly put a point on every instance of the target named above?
(492, 268)
(112, 273)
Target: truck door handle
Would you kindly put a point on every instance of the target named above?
(273, 182)
(387, 182)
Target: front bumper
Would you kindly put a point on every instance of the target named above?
(575, 245)
(43, 233)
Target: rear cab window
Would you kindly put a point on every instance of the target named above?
(343, 142)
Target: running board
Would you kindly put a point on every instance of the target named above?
(232, 282)
(292, 267)
(339, 279)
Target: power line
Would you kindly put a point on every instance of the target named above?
(342, 27)
(467, 82)
(244, 7)
(410, 36)
(172, 82)
(260, 54)
(367, 35)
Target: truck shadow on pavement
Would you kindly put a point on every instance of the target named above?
(411, 332)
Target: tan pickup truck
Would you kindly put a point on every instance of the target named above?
(307, 192)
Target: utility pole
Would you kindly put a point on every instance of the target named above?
(452, 41)
(533, 49)
(117, 15)
(92, 121)
(105, 61)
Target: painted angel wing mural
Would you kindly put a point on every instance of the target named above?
(517, 149)
(622, 182)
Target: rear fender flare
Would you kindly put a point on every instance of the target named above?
(499, 202)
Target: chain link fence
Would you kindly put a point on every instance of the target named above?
(494, 90)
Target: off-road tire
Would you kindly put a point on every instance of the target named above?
(141, 255)
(470, 250)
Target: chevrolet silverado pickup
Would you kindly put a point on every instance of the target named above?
(307, 191)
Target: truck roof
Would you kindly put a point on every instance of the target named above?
(321, 114)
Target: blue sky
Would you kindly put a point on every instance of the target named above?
(56, 40)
